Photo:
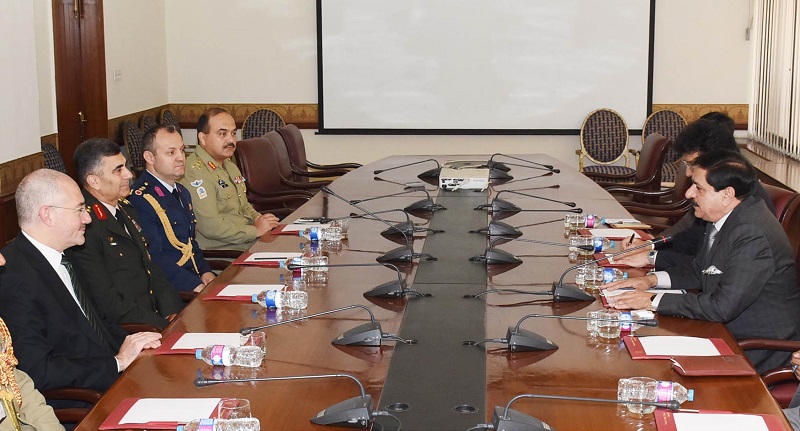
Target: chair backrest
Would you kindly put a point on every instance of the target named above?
(604, 136)
(667, 123)
(168, 118)
(53, 159)
(260, 122)
(295, 145)
(259, 164)
(132, 138)
(682, 184)
(651, 159)
(147, 123)
(787, 209)
(281, 154)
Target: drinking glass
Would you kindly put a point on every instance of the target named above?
(637, 389)
(256, 338)
(234, 408)
(608, 325)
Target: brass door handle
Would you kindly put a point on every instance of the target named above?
(82, 123)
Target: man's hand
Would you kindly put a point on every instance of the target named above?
(796, 364)
(207, 278)
(634, 300)
(638, 283)
(635, 243)
(265, 223)
(634, 259)
(134, 344)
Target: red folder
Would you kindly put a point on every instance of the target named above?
(213, 294)
(264, 263)
(637, 351)
(169, 341)
(726, 365)
(642, 234)
(278, 230)
(666, 422)
(112, 421)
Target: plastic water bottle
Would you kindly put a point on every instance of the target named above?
(219, 354)
(318, 263)
(601, 244)
(241, 424)
(333, 233)
(593, 221)
(613, 274)
(295, 299)
(669, 391)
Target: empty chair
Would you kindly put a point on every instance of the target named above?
(297, 155)
(260, 122)
(647, 175)
(168, 118)
(53, 159)
(259, 164)
(132, 138)
(604, 141)
(670, 124)
(287, 172)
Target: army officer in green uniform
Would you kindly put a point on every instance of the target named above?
(225, 220)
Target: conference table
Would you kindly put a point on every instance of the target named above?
(437, 382)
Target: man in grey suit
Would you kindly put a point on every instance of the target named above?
(745, 271)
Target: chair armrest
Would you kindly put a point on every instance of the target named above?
(769, 344)
(187, 296)
(321, 173)
(642, 209)
(133, 328)
(638, 192)
(304, 186)
(333, 166)
(280, 195)
(778, 375)
(73, 394)
(222, 254)
(598, 176)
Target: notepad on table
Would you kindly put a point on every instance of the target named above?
(237, 292)
(676, 421)
(159, 413)
(295, 228)
(186, 343)
(667, 346)
(270, 259)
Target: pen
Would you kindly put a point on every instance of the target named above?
(630, 241)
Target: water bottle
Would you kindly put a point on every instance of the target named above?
(613, 274)
(601, 244)
(219, 354)
(669, 391)
(333, 233)
(240, 424)
(295, 299)
(320, 262)
(593, 221)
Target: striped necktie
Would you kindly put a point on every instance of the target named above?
(85, 303)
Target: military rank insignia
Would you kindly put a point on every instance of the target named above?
(238, 180)
(212, 166)
(99, 212)
(158, 191)
(222, 183)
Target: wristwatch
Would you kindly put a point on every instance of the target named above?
(651, 257)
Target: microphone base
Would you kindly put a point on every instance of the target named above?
(497, 174)
(353, 413)
(498, 166)
(430, 173)
(423, 205)
(570, 292)
(498, 228)
(500, 205)
(497, 256)
(516, 421)
(390, 289)
(368, 334)
(406, 229)
(399, 254)
(527, 341)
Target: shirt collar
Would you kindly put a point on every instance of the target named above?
(167, 186)
(111, 209)
(718, 224)
(50, 254)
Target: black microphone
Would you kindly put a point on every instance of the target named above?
(573, 291)
(498, 228)
(432, 173)
(421, 205)
(499, 205)
(368, 334)
(390, 289)
(494, 255)
(355, 411)
(511, 420)
(400, 254)
(407, 227)
(500, 166)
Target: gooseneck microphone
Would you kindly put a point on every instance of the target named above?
(368, 334)
(426, 204)
(390, 289)
(500, 205)
(498, 228)
(511, 420)
(500, 166)
(494, 255)
(355, 411)
(400, 254)
(432, 173)
(408, 227)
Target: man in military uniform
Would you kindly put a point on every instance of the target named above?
(225, 220)
(165, 209)
(116, 266)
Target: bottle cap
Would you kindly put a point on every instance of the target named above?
(613, 243)
(255, 297)
(180, 428)
(624, 275)
(198, 354)
(690, 394)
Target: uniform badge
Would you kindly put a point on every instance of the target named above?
(111, 241)
(212, 166)
(196, 183)
(159, 192)
(201, 192)
(99, 212)
(239, 180)
(138, 192)
(136, 225)
(222, 183)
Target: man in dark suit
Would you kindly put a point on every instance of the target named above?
(59, 337)
(114, 262)
(745, 270)
(165, 209)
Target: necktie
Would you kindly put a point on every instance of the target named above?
(177, 195)
(119, 218)
(85, 303)
(711, 234)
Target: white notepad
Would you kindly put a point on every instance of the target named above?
(715, 422)
(200, 340)
(675, 345)
(247, 289)
(262, 256)
(180, 410)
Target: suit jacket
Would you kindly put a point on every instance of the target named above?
(53, 340)
(116, 268)
(182, 221)
(754, 288)
(224, 216)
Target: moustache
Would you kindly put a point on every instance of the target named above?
(230, 145)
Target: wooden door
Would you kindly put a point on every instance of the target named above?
(80, 68)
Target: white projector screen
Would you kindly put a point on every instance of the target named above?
(481, 66)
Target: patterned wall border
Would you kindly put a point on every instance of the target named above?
(691, 112)
(303, 115)
(115, 124)
(12, 172)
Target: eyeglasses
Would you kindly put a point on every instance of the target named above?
(75, 210)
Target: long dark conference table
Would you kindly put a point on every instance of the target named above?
(441, 383)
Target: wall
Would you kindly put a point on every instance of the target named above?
(136, 46)
(45, 73)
